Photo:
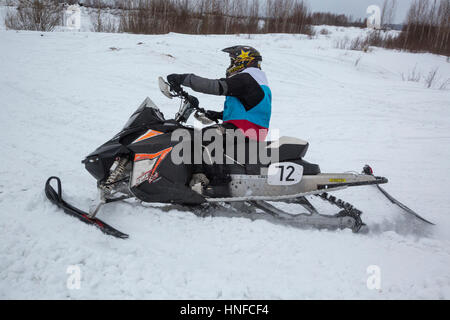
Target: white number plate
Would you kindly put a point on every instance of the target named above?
(284, 174)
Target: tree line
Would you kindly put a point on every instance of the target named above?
(426, 29)
(427, 26)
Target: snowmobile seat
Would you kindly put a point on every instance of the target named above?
(289, 148)
(309, 169)
(293, 149)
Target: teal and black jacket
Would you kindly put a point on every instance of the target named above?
(248, 95)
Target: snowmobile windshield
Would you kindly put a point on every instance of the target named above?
(147, 113)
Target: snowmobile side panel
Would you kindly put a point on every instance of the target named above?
(164, 191)
(156, 178)
(246, 188)
(99, 162)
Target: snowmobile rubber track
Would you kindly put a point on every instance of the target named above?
(56, 198)
(318, 221)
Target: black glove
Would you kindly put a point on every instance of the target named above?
(193, 101)
(214, 115)
(175, 81)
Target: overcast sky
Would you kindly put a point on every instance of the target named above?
(357, 8)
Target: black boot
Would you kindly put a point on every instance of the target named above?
(219, 182)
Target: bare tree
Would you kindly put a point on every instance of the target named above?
(388, 12)
(102, 22)
(39, 15)
(426, 29)
(211, 16)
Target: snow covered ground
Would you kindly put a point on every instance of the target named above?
(64, 94)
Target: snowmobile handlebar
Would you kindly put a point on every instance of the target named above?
(186, 97)
(189, 105)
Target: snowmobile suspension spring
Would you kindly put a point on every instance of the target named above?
(348, 210)
(339, 203)
(115, 175)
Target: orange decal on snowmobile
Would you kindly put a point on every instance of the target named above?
(160, 155)
(149, 134)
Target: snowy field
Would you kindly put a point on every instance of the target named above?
(63, 94)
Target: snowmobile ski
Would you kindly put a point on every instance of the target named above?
(56, 198)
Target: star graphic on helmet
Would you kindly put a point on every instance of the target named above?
(244, 55)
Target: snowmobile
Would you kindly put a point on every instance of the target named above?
(136, 164)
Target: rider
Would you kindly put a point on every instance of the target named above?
(248, 96)
(248, 100)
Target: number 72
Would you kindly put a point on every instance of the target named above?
(284, 173)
